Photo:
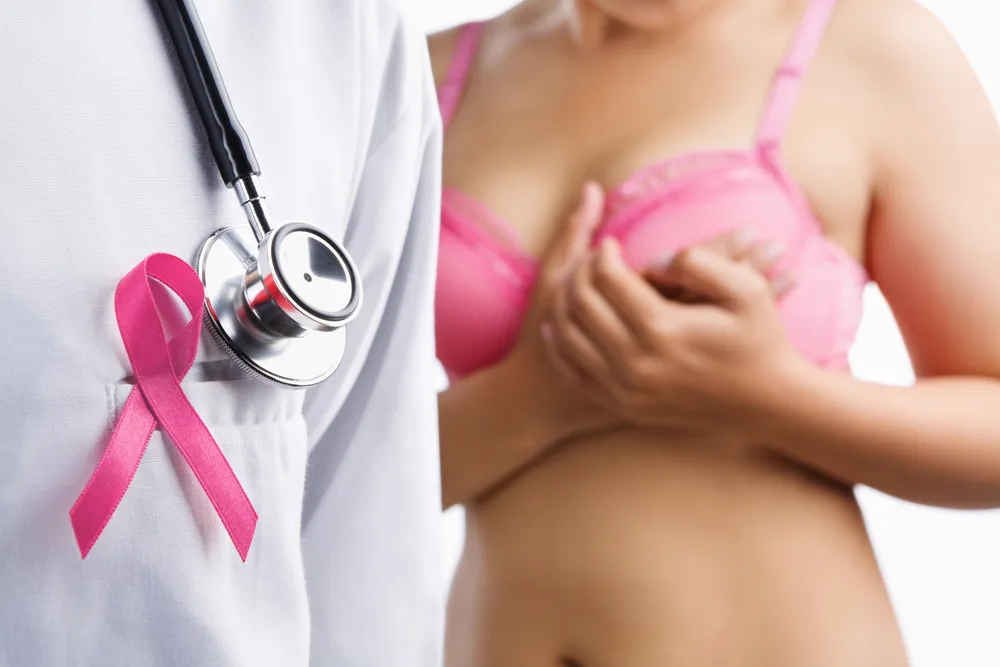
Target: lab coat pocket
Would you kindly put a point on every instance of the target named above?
(171, 550)
(261, 432)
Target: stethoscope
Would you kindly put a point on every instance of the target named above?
(276, 298)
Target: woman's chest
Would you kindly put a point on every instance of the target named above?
(526, 139)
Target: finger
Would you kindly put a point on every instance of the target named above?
(737, 244)
(585, 306)
(572, 341)
(782, 284)
(670, 283)
(719, 279)
(580, 380)
(762, 257)
(573, 353)
(562, 366)
(634, 300)
(573, 240)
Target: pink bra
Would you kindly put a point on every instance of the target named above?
(485, 278)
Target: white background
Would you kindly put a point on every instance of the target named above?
(942, 567)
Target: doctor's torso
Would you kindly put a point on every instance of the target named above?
(102, 162)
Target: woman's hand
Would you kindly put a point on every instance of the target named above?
(656, 362)
(569, 409)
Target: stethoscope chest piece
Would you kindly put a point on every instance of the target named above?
(277, 299)
(279, 307)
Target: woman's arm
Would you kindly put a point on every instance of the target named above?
(934, 250)
(492, 424)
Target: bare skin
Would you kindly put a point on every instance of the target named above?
(596, 540)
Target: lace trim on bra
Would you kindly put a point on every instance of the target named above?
(649, 185)
(672, 174)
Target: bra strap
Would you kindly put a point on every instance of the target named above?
(464, 57)
(788, 79)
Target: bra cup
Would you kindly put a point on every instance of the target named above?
(822, 312)
(480, 302)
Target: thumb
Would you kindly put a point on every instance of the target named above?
(574, 238)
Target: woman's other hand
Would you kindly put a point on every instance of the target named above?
(739, 245)
(704, 361)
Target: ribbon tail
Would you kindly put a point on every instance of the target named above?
(195, 443)
(104, 491)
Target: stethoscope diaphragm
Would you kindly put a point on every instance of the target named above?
(277, 299)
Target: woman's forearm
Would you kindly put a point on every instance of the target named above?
(937, 442)
(492, 425)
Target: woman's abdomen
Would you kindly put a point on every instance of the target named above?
(627, 549)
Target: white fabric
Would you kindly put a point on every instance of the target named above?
(102, 161)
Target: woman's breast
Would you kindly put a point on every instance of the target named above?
(633, 548)
(485, 279)
(482, 293)
(821, 312)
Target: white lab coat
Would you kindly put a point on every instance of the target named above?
(103, 161)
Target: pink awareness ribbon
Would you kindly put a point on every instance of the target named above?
(158, 399)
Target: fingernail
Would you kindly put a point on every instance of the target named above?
(663, 262)
(546, 332)
(612, 250)
(772, 251)
(604, 247)
(782, 283)
(745, 236)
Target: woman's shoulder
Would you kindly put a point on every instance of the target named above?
(911, 71)
(895, 41)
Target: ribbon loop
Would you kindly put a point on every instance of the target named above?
(158, 399)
